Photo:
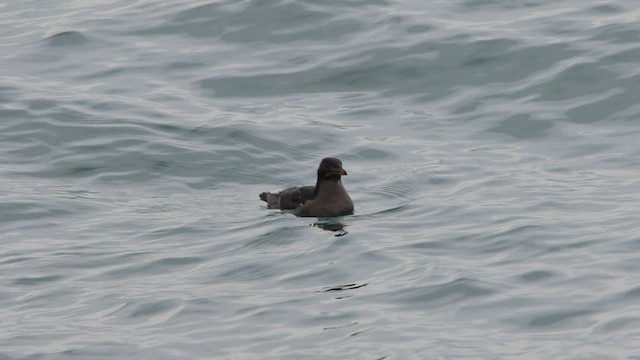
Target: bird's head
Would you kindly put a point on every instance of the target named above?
(330, 168)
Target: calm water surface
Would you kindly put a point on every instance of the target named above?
(492, 150)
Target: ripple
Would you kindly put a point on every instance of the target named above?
(536, 276)
(558, 318)
(521, 126)
(150, 267)
(459, 290)
(269, 18)
(32, 211)
(67, 38)
(37, 280)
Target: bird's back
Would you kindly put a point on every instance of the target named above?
(288, 199)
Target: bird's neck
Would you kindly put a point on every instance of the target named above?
(328, 186)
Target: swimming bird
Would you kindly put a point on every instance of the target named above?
(327, 198)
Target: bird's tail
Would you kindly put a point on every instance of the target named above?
(272, 200)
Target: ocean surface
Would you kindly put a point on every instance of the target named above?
(493, 152)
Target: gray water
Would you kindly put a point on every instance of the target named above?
(492, 150)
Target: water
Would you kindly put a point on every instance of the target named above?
(492, 155)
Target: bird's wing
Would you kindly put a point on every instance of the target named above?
(291, 198)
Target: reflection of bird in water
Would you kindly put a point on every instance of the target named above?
(332, 226)
(328, 198)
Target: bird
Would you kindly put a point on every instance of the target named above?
(328, 198)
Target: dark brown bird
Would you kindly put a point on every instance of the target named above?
(327, 198)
